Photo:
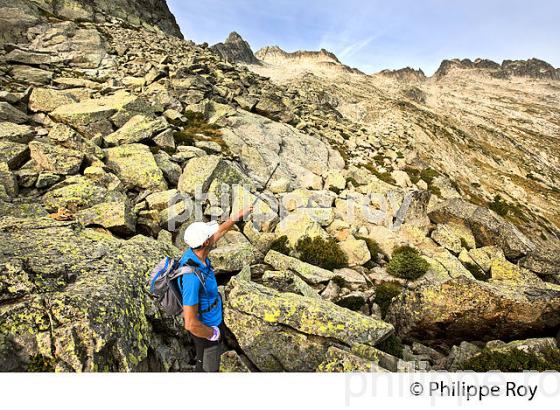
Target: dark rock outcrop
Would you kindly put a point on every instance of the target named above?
(513, 304)
(533, 68)
(17, 16)
(235, 50)
(406, 74)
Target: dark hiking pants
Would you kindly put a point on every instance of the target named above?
(208, 353)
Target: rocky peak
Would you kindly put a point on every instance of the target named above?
(324, 59)
(273, 53)
(235, 50)
(406, 74)
(533, 68)
(17, 16)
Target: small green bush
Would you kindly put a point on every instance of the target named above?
(514, 361)
(407, 263)
(280, 244)
(339, 281)
(198, 129)
(354, 303)
(428, 175)
(499, 206)
(392, 345)
(384, 293)
(476, 271)
(413, 174)
(325, 253)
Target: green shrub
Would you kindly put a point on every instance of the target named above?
(339, 281)
(428, 175)
(198, 129)
(413, 174)
(354, 303)
(384, 293)
(325, 253)
(392, 345)
(476, 271)
(514, 361)
(407, 263)
(280, 244)
(499, 206)
(383, 176)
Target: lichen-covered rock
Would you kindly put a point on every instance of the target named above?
(285, 331)
(513, 303)
(303, 198)
(231, 362)
(9, 113)
(356, 250)
(83, 306)
(136, 167)
(288, 281)
(299, 224)
(310, 273)
(15, 132)
(66, 137)
(487, 227)
(92, 116)
(138, 128)
(201, 172)
(115, 216)
(342, 361)
(335, 181)
(232, 257)
(13, 153)
(261, 143)
(264, 218)
(48, 99)
(8, 180)
(56, 159)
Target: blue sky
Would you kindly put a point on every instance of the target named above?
(373, 35)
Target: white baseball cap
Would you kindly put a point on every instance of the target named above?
(198, 232)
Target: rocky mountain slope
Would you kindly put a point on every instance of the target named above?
(104, 121)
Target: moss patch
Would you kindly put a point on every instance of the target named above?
(514, 361)
(280, 245)
(325, 253)
(407, 263)
(384, 293)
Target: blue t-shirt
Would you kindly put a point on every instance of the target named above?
(194, 294)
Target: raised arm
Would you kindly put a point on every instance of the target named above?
(227, 225)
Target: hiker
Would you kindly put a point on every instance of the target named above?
(202, 304)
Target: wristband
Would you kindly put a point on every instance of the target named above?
(215, 334)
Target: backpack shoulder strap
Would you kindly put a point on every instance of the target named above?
(189, 268)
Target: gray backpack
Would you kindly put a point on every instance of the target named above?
(163, 283)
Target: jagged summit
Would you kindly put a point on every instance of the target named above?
(282, 65)
(533, 68)
(273, 53)
(406, 74)
(235, 50)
